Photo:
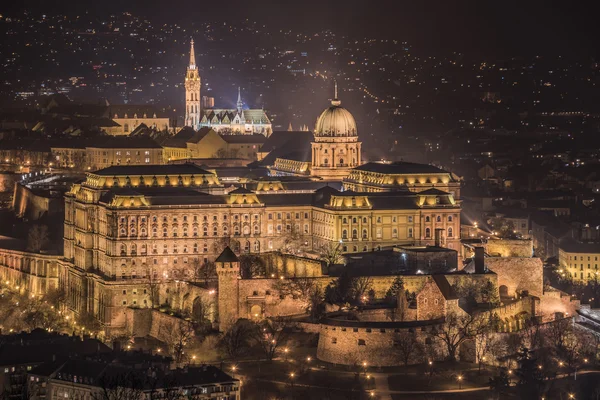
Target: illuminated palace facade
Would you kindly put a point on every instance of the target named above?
(126, 226)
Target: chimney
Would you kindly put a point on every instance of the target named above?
(438, 237)
(479, 260)
(116, 345)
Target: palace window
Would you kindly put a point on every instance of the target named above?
(354, 234)
(344, 234)
(394, 233)
(427, 232)
(410, 232)
(427, 219)
(410, 218)
(438, 219)
(364, 233)
(450, 233)
(449, 218)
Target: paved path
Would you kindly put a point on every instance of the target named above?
(383, 392)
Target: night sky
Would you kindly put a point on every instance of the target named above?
(510, 28)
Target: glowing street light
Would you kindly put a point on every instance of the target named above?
(459, 378)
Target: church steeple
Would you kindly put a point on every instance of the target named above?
(192, 56)
(192, 92)
(240, 104)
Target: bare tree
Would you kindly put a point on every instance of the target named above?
(331, 253)
(182, 332)
(153, 283)
(407, 346)
(459, 328)
(38, 238)
(292, 240)
(360, 286)
(531, 334)
(237, 338)
(252, 266)
(271, 334)
(120, 386)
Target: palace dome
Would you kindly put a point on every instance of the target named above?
(335, 121)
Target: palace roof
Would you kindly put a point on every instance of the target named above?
(136, 170)
(400, 167)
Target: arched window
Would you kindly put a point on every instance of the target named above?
(256, 229)
(195, 232)
(164, 232)
(326, 161)
(449, 218)
(364, 233)
(247, 246)
(341, 161)
(154, 232)
(257, 246)
(185, 248)
(427, 232)
(450, 233)
(205, 231)
(133, 250)
(427, 219)
(195, 247)
(215, 230)
(185, 231)
(354, 234)
(144, 249)
(344, 234)
(344, 220)
(126, 127)
(438, 219)
(354, 248)
(143, 231)
(123, 249)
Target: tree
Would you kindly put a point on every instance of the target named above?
(292, 240)
(153, 283)
(531, 377)
(299, 288)
(236, 340)
(120, 386)
(38, 238)
(459, 328)
(347, 289)
(252, 266)
(531, 334)
(396, 287)
(407, 346)
(89, 322)
(500, 383)
(489, 294)
(331, 253)
(181, 333)
(316, 306)
(271, 334)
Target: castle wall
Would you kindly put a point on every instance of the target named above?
(517, 274)
(289, 265)
(509, 248)
(28, 204)
(376, 346)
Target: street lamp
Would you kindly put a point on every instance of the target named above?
(460, 378)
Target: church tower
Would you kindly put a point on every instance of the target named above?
(192, 92)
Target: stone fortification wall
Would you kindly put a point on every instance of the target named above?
(32, 205)
(289, 265)
(509, 247)
(375, 343)
(516, 274)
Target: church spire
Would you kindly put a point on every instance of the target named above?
(240, 104)
(192, 55)
(290, 127)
